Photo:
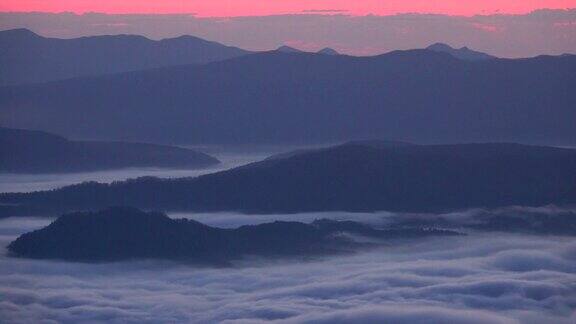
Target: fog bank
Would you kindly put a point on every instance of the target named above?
(480, 278)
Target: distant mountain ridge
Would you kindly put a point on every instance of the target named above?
(463, 53)
(352, 177)
(26, 151)
(29, 58)
(420, 96)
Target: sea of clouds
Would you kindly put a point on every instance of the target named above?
(478, 278)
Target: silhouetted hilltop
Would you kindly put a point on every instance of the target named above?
(413, 178)
(288, 49)
(421, 96)
(328, 51)
(12, 138)
(463, 53)
(27, 57)
(26, 151)
(125, 233)
(18, 34)
(379, 144)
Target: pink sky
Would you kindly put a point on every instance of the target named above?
(270, 7)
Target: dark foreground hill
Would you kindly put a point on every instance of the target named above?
(125, 233)
(25, 151)
(276, 97)
(27, 57)
(352, 177)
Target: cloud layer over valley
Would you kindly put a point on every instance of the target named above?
(479, 278)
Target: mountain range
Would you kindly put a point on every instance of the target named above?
(276, 97)
(26, 57)
(435, 95)
(358, 177)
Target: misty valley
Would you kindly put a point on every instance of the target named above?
(485, 276)
(473, 264)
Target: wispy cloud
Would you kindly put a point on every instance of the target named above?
(325, 11)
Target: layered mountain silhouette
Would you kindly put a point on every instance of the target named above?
(26, 151)
(27, 57)
(463, 53)
(125, 233)
(274, 97)
(350, 177)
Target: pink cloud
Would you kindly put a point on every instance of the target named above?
(214, 8)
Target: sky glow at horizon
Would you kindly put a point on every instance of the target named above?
(229, 8)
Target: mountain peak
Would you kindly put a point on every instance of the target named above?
(18, 33)
(288, 49)
(328, 51)
(440, 47)
(185, 38)
(53, 59)
(463, 53)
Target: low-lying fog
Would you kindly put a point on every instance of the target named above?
(32, 182)
(479, 278)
